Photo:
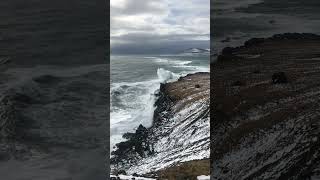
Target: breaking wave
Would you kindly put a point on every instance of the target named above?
(133, 103)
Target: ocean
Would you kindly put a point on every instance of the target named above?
(134, 81)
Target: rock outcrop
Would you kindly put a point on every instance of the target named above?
(180, 130)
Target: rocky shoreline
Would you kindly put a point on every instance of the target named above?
(265, 109)
(179, 134)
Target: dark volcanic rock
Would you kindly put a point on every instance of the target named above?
(163, 103)
(295, 36)
(227, 55)
(238, 83)
(225, 58)
(279, 78)
(256, 71)
(227, 51)
(253, 42)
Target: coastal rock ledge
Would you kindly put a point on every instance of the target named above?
(180, 134)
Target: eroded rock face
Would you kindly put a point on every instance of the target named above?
(180, 130)
(262, 130)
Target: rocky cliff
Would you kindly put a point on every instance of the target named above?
(266, 109)
(180, 131)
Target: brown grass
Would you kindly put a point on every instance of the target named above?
(186, 170)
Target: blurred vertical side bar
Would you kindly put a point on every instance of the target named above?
(54, 103)
(211, 83)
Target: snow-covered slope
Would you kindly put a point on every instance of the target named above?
(125, 177)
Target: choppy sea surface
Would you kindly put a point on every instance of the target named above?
(134, 81)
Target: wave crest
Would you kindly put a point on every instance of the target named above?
(165, 75)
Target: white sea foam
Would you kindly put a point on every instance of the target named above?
(193, 69)
(165, 75)
(170, 61)
(135, 104)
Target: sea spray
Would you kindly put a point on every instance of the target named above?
(165, 75)
(133, 104)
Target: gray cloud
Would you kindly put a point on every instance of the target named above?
(135, 7)
(159, 26)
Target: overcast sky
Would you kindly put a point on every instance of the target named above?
(159, 26)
